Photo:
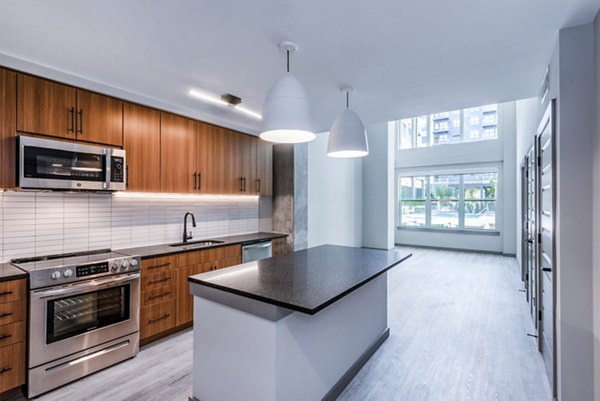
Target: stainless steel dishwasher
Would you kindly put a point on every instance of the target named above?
(257, 251)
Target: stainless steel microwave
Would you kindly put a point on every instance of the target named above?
(59, 165)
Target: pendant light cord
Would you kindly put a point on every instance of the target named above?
(288, 60)
(347, 99)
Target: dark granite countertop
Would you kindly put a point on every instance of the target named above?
(9, 272)
(152, 251)
(306, 281)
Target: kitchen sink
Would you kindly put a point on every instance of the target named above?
(197, 244)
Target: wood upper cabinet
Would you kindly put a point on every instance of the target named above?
(264, 168)
(241, 163)
(49, 108)
(178, 154)
(45, 107)
(248, 151)
(211, 160)
(8, 125)
(99, 118)
(141, 140)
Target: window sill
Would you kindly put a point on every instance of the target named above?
(448, 230)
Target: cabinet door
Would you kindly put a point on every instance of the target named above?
(185, 300)
(234, 174)
(212, 160)
(99, 118)
(248, 152)
(178, 154)
(8, 128)
(45, 107)
(264, 155)
(141, 137)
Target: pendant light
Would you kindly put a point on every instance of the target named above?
(286, 111)
(347, 137)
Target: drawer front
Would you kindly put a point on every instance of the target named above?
(12, 290)
(12, 366)
(195, 258)
(157, 318)
(232, 251)
(158, 265)
(155, 280)
(12, 312)
(231, 261)
(158, 294)
(12, 333)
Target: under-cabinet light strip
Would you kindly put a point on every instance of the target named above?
(209, 98)
(156, 195)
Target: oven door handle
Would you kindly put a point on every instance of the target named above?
(78, 288)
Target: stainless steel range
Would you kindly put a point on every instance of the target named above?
(84, 315)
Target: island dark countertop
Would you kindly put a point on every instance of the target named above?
(9, 272)
(152, 251)
(305, 281)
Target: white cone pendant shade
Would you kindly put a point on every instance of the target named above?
(286, 112)
(347, 137)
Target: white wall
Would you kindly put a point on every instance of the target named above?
(42, 223)
(334, 197)
(454, 158)
(378, 189)
(596, 215)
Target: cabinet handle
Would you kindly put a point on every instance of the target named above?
(5, 293)
(80, 128)
(5, 314)
(195, 179)
(165, 316)
(159, 295)
(162, 280)
(4, 370)
(72, 112)
(158, 266)
(244, 184)
(199, 181)
(258, 185)
(546, 269)
(127, 176)
(5, 336)
(241, 184)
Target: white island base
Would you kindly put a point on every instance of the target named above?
(254, 351)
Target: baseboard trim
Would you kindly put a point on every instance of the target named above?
(441, 248)
(341, 384)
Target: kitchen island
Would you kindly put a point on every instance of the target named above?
(294, 327)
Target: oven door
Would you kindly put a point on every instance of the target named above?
(68, 319)
(51, 164)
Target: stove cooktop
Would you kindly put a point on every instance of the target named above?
(66, 259)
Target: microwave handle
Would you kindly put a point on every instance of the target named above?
(108, 169)
(78, 288)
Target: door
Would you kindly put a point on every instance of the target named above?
(8, 125)
(248, 172)
(234, 174)
(141, 137)
(178, 154)
(99, 118)
(45, 107)
(524, 229)
(531, 233)
(212, 160)
(185, 300)
(545, 239)
(264, 155)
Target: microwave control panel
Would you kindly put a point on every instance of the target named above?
(117, 169)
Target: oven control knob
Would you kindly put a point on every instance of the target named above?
(68, 273)
(115, 265)
(134, 262)
(55, 275)
(125, 264)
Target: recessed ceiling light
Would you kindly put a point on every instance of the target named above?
(210, 98)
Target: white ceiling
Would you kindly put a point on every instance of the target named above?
(404, 57)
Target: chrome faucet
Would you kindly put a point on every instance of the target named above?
(186, 236)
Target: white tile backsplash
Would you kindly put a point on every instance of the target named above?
(40, 223)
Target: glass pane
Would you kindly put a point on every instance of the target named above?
(445, 186)
(407, 133)
(422, 131)
(480, 186)
(444, 214)
(412, 213)
(480, 123)
(412, 187)
(60, 164)
(446, 127)
(480, 214)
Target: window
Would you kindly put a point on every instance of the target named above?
(467, 125)
(457, 201)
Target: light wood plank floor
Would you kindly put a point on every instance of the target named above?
(458, 332)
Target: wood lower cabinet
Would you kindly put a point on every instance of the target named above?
(50, 108)
(12, 334)
(178, 154)
(141, 141)
(8, 126)
(157, 318)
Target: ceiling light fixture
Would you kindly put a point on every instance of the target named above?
(286, 111)
(226, 100)
(347, 137)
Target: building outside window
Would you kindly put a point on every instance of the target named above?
(457, 201)
(466, 125)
